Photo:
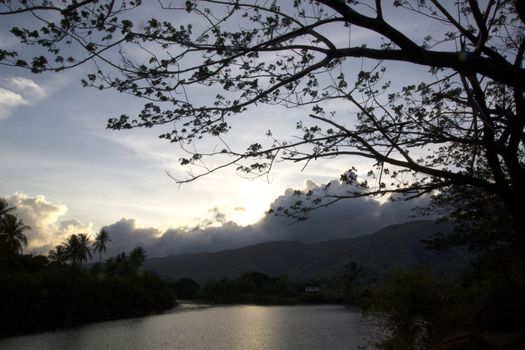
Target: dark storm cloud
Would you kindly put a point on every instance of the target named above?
(346, 218)
(126, 235)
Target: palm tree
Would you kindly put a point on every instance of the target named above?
(12, 237)
(59, 254)
(99, 246)
(4, 209)
(77, 248)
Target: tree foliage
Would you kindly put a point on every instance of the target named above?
(58, 255)
(77, 248)
(4, 208)
(459, 120)
(418, 308)
(12, 237)
(100, 243)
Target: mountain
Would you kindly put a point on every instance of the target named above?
(396, 246)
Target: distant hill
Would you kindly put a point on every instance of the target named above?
(396, 246)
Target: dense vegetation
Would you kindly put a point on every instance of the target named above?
(39, 292)
(422, 310)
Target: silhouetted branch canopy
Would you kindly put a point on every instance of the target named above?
(458, 118)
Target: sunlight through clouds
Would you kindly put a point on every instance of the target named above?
(253, 198)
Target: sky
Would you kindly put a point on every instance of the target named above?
(66, 173)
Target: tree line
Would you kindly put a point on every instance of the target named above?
(260, 288)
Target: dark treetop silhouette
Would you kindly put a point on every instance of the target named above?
(459, 123)
(12, 237)
(100, 244)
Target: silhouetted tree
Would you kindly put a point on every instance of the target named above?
(350, 277)
(118, 265)
(99, 246)
(251, 282)
(4, 208)
(418, 307)
(125, 264)
(58, 254)
(481, 225)
(77, 248)
(458, 122)
(136, 258)
(12, 238)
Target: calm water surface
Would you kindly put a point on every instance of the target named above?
(192, 326)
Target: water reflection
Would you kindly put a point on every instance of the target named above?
(203, 327)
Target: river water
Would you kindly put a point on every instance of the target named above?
(197, 326)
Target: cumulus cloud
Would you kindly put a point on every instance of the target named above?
(18, 91)
(46, 221)
(347, 218)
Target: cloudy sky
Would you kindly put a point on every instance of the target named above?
(67, 173)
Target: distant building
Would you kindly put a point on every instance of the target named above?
(312, 289)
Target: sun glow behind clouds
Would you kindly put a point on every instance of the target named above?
(252, 200)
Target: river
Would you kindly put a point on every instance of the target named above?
(197, 326)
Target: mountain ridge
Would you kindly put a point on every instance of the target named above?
(394, 246)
